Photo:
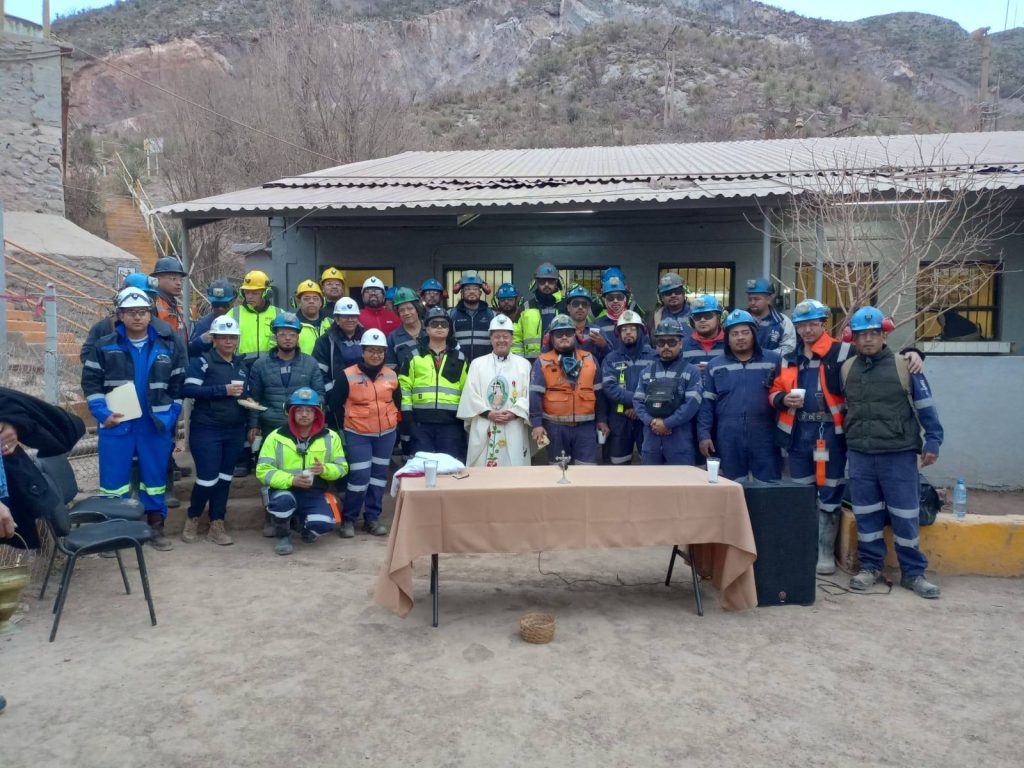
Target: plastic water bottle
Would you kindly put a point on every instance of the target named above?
(960, 500)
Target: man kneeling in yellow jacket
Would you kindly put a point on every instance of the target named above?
(296, 464)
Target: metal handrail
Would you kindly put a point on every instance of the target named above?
(54, 263)
(89, 309)
(145, 206)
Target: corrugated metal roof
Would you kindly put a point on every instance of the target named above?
(653, 173)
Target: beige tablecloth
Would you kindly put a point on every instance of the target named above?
(523, 509)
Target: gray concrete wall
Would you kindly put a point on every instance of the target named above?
(639, 243)
(31, 174)
(981, 406)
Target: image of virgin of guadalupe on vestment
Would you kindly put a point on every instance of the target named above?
(497, 384)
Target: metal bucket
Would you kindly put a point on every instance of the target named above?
(13, 579)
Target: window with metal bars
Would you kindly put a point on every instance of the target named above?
(713, 279)
(965, 292)
(588, 277)
(836, 279)
(494, 277)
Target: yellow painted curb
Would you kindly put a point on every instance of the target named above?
(981, 545)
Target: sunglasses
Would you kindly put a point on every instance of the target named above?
(437, 324)
(562, 334)
(667, 342)
(615, 297)
(704, 315)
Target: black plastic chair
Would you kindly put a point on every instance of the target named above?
(107, 535)
(93, 509)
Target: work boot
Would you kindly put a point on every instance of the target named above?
(308, 537)
(283, 545)
(190, 532)
(172, 501)
(241, 470)
(828, 527)
(375, 528)
(268, 526)
(159, 540)
(921, 586)
(218, 534)
(864, 579)
(347, 530)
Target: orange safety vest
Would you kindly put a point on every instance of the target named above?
(564, 403)
(787, 380)
(370, 408)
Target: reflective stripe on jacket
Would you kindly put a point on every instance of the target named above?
(280, 458)
(429, 387)
(561, 402)
(311, 331)
(370, 407)
(256, 336)
(828, 356)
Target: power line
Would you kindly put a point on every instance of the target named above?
(213, 112)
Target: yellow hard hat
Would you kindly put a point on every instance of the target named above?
(333, 273)
(255, 281)
(308, 286)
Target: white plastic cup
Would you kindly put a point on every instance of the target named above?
(307, 474)
(430, 472)
(802, 393)
(601, 437)
(713, 465)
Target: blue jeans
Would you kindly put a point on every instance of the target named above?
(214, 451)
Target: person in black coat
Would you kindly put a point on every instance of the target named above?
(28, 421)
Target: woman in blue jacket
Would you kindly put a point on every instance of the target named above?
(215, 382)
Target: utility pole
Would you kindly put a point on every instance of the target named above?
(46, 18)
(986, 113)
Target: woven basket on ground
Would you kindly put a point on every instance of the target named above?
(537, 627)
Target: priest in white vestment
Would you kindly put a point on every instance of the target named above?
(495, 403)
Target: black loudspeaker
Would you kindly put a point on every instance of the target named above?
(784, 518)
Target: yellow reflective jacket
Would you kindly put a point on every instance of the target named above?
(280, 459)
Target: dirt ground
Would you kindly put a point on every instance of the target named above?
(260, 660)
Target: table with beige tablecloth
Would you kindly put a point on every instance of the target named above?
(524, 509)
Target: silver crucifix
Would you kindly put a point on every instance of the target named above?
(563, 461)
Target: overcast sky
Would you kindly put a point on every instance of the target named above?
(969, 15)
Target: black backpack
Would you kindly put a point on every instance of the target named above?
(930, 503)
(662, 397)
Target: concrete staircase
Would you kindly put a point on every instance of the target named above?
(126, 227)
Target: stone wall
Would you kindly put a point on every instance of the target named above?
(31, 173)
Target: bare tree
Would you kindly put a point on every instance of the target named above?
(913, 238)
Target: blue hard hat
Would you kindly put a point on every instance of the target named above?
(389, 294)
(506, 291)
(613, 284)
(304, 396)
(810, 309)
(739, 317)
(705, 303)
(286, 320)
(431, 284)
(760, 285)
(220, 292)
(866, 319)
(139, 280)
(578, 292)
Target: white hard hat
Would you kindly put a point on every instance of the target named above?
(373, 338)
(346, 306)
(500, 323)
(224, 325)
(629, 317)
(130, 298)
(373, 282)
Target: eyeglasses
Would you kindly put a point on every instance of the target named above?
(669, 342)
(135, 312)
(615, 297)
(379, 351)
(438, 324)
(579, 304)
